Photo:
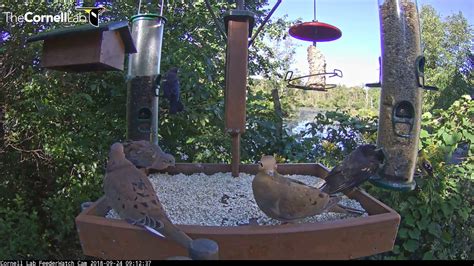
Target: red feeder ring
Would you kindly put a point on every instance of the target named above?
(315, 32)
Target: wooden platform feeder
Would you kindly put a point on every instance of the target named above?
(342, 239)
(86, 48)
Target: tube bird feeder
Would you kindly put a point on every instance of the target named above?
(401, 96)
(143, 77)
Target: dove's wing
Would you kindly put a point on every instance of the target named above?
(347, 176)
(132, 195)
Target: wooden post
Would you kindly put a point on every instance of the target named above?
(236, 83)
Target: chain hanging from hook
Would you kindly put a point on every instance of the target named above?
(140, 5)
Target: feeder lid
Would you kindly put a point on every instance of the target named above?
(120, 26)
(315, 31)
(149, 16)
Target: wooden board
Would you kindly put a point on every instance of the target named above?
(343, 239)
(90, 51)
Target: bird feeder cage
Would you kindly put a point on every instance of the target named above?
(343, 239)
(86, 48)
(401, 98)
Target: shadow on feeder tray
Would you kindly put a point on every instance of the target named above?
(313, 86)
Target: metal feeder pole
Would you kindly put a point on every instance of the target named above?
(143, 70)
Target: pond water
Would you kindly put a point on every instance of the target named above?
(305, 115)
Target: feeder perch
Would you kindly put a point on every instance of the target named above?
(343, 239)
(314, 86)
(86, 48)
(315, 31)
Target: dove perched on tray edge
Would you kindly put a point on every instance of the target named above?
(131, 194)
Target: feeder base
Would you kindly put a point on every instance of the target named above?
(392, 185)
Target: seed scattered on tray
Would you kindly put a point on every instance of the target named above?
(222, 200)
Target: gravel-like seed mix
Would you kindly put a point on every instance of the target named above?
(222, 200)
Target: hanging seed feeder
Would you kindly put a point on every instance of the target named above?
(314, 31)
(402, 82)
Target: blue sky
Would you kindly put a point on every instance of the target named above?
(356, 52)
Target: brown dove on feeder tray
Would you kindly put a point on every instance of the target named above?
(285, 199)
(144, 154)
(358, 167)
(130, 193)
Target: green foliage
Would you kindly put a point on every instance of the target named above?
(448, 50)
(20, 229)
(437, 216)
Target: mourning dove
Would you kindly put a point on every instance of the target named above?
(285, 199)
(355, 169)
(171, 90)
(130, 193)
(144, 154)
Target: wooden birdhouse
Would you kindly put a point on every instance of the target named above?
(86, 48)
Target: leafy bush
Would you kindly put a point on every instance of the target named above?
(437, 216)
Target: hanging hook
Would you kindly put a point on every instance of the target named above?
(161, 8)
(140, 6)
(314, 11)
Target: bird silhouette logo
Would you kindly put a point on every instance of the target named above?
(94, 14)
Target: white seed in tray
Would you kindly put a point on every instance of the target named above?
(222, 200)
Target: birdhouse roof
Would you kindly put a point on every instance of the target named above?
(121, 26)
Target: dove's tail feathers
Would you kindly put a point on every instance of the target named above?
(153, 231)
(165, 230)
(324, 187)
(173, 232)
(333, 201)
(352, 210)
(339, 208)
